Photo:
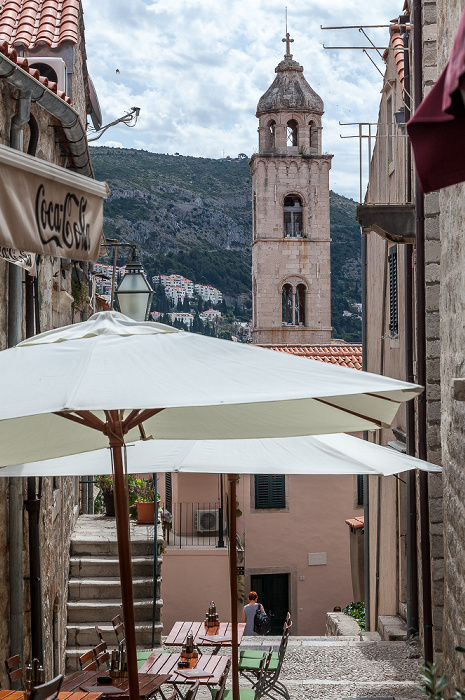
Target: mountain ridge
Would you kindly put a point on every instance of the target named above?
(193, 216)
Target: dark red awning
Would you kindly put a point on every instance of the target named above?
(437, 129)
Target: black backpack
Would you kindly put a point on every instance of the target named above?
(261, 622)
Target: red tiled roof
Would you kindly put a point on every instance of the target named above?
(23, 63)
(31, 22)
(397, 44)
(356, 523)
(334, 353)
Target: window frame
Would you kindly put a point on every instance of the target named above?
(276, 487)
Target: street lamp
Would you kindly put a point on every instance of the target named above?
(134, 293)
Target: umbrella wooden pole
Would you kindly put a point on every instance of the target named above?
(233, 583)
(125, 567)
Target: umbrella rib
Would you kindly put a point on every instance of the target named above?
(133, 421)
(352, 413)
(85, 418)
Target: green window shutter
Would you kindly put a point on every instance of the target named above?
(270, 491)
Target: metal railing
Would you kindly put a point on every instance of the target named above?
(383, 162)
(191, 524)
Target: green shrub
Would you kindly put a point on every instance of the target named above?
(357, 611)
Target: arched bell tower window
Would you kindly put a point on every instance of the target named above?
(270, 135)
(292, 132)
(293, 304)
(287, 319)
(293, 217)
(313, 135)
(299, 305)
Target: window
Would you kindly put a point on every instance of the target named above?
(300, 305)
(390, 129)
(292, 216)
(313, 135)
(287, 305)
(270, 491)
(270, 135)
(360, 492)
(393, 295)
(292, 132)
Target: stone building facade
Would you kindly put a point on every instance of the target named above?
(449, 235)
(390, 218)
(25, 43)
(291, 239)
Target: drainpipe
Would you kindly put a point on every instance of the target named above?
(411, 534)
(366, 480)
(421, 357)
(15, 513)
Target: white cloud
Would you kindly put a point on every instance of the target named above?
(197, 68)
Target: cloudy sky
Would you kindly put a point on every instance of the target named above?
(197, 68)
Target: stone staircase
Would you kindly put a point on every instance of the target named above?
(94, 591)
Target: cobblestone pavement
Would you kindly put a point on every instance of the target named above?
(340, 668)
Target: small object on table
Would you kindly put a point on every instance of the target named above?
(28, 680)
(212, 619)
(114, 664)
(188, 648)
(104, 680)
(103, 689)
(215, 638)
(194, 673)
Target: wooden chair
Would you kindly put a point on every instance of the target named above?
(88, 662)
(118, 626)
(192, 692)
(14, 669)
(47, 690)
(101, 655)
(218, 693)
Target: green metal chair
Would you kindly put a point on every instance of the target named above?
(245, 693)
(268, 682)
(249, 660)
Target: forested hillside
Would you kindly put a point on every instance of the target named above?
(192, 216)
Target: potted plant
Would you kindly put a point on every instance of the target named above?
(105, 484)
(144, 501)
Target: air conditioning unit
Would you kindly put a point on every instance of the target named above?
(53, 68)
(207, 520)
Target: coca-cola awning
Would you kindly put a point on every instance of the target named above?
(48, 210)
(437, 129)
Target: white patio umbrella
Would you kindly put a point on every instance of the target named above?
(314, 454)
(110, 380)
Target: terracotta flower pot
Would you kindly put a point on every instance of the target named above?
(145, 512)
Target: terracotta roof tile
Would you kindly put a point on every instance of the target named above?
(357, 522)
(31, 22)
(336, 353)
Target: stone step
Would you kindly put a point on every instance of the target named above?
(109, 566)
(84, 635)
(81, 611)
(73, 654)
(101, 548)
(107, 588)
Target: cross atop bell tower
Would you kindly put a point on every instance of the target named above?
(288, 41)
(291, 280)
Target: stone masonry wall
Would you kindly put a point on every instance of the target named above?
(433, 387)
(275, 259)
(58, 510)
(452, 309)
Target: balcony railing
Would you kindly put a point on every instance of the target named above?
(195, 525)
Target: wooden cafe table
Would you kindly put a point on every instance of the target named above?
(213, 666)
(215, 637)
(148, 684)
(76, 695)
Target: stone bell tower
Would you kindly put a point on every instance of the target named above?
(290, 180)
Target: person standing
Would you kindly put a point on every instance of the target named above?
(248, 614)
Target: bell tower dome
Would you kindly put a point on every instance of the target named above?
(290, 182)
